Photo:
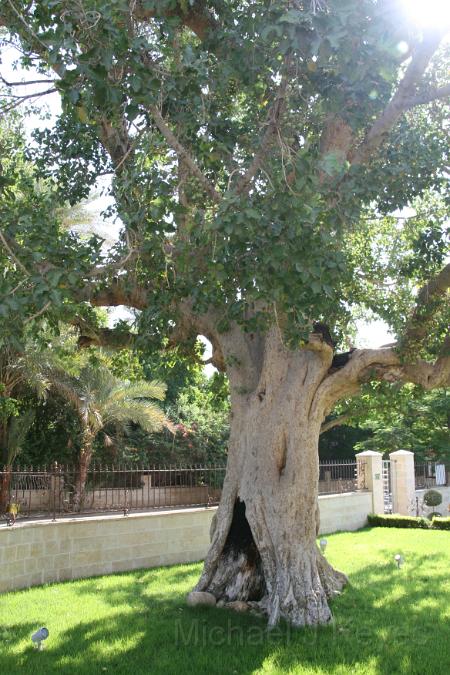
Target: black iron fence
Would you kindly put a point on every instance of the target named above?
(55, 492)
(430, 475)
(338, 476)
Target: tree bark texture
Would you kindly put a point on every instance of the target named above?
(263, 545)
(84, 463)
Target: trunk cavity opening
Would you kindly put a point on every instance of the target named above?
(282, 455)
(239, 574)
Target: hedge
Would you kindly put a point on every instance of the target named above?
(408, 521)
(398, 521)
(440, 523)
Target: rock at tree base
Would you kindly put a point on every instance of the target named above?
(238, 606)
(196, 598)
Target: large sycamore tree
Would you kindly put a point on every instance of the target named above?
(257, 150)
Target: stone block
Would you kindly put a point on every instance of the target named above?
(83, 558)
(10, 553)
(31, 565)
(50, 547)
(65, 545)
(36, 550)
(65, 574)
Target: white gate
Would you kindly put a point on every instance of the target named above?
(387, 486)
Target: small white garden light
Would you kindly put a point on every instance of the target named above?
(39, 636)
(399, 560)
(323, 544)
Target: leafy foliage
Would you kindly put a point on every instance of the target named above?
(16, 433)
(432, 498)
(23, 380)
(440, 523)
(403, 417)
(42, 262)
(311, 235)
(398, 521)
(294, 244)
(99, 399)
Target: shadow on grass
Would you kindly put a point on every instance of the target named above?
(387, 621)
(11, 634)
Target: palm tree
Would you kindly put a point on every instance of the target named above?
(100, 399)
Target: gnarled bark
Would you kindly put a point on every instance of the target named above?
(264, 544)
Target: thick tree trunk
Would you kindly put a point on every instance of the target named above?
(264, 543)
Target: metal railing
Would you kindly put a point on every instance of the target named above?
(430, 474)
(339, 476)
(54, 492)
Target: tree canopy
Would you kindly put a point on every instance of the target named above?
(251, 165)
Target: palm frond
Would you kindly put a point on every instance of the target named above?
(69, 387)
(17, 431)
(146, 414)
(139, 390)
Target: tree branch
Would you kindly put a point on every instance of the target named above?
(400, 101)
(184, 155)
(192, 15)
(337, 136)
(20, 99)
(24, 84)
(116, 141)
(114, 138)
(12, 255)
(382, 364)
(389, 363)
(38, 313)
(417, 328)
(271, 124)
(336, 422)
(105, 337)
(429, 96)
(119, 292)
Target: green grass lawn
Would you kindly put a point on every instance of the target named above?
(386, 621)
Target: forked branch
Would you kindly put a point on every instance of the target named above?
(184, 155)
(401, 100)
(399, 362)
(271, 125)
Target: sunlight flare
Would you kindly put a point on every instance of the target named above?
(428, 13)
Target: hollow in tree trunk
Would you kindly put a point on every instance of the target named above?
(264, 540)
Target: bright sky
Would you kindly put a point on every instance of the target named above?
(428, 13)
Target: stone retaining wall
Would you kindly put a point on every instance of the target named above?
(38, 552)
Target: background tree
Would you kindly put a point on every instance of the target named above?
(409, 418)
(100, 399)
(197, 405)
(254, 146)
(22, 375)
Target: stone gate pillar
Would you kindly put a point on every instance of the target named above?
(403, 482)
(369, 469)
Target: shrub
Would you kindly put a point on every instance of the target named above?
(397, 521)
(432, 515)
(432, 498)
(441, 524)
